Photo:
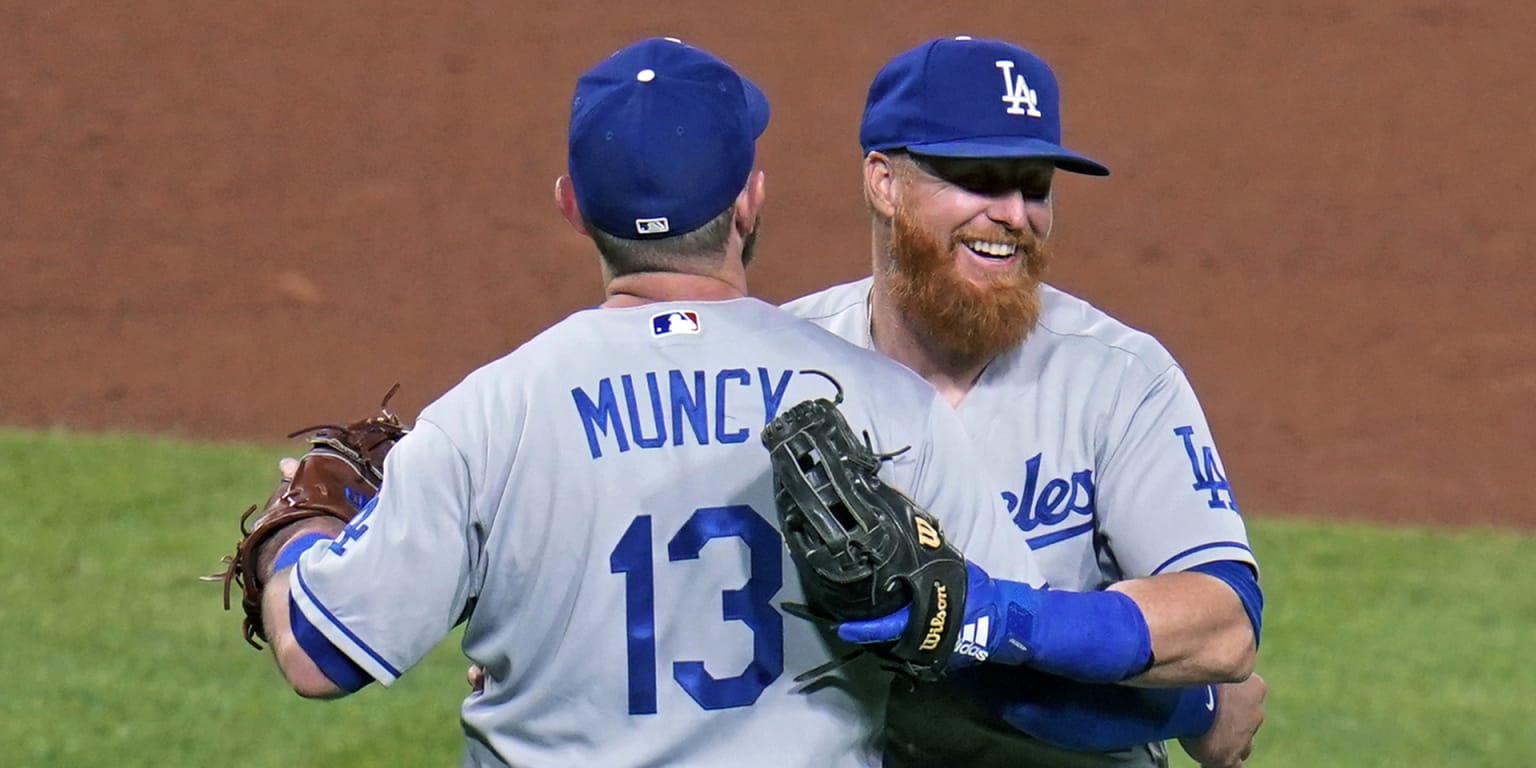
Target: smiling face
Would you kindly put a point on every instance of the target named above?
(967, 250)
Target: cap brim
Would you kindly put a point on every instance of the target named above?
(1012, 147)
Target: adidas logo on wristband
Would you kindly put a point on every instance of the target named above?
(973, 639)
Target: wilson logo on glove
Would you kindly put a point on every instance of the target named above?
(926, 535)
(936, 624)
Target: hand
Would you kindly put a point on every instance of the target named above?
(475, 676)
(1238, 717)
(341, 470)
(288, 467)
(1092, 637)
(981, 637)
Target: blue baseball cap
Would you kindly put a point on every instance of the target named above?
(663, 136)
(969, 97)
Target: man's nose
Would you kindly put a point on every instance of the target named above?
(1017, 212)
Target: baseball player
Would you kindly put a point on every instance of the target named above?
(596, 507)
(1110, 474)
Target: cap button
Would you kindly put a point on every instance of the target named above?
(645, 75)
(962, 37)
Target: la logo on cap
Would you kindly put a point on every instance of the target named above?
(1017, 93)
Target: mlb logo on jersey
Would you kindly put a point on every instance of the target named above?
(669, 323)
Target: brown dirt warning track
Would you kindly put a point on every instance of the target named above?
(1324, 208)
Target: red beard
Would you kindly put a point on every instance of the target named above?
(965, 321)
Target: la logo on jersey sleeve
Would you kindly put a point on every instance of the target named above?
(1208, 474)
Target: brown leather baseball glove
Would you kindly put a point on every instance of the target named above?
(339, 474)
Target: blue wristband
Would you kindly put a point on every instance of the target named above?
(1093, 637)
(296, 546)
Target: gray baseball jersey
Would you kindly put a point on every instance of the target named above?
(597, 506)
(1108, 467)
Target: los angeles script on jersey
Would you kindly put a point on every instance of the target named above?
(1059, 499)
(656, 409)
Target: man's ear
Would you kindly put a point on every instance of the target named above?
(565, 200)
(750, 202)
(880, 182)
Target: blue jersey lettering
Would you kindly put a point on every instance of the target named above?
(642, 417)
(1057, 501)
(690, 403)
(599, 416)
(740, 376)
(773, 395)
(634, 411)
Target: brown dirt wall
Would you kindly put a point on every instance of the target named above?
(1324, 208)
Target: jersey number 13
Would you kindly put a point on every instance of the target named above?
(749, 605)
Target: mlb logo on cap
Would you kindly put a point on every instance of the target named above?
(652, 226)
(662, 139)
(670, 323)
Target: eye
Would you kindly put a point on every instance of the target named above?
(1030, 186)
(992, 179)
(982, 183)
(1035, 188)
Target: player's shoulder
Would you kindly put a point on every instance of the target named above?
(499, 379)
(828, 319)
(807, 322)
(1072, 324)
(830, 302)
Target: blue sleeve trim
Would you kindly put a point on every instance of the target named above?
(1241, 578)
(341, 670)
(298, 574)
(1201, 548)
(296, 546)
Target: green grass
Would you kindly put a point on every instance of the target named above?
(1383, 647)
(114, 654)
(1396, 647)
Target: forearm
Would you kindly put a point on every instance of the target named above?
(1180, 629)
(1199, 630)
(301, 672)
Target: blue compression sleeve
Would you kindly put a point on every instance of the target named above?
(337, 666)
(1103, 718)
(1094, 637)
(1241, 578)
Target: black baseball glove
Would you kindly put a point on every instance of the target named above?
(862, 548)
